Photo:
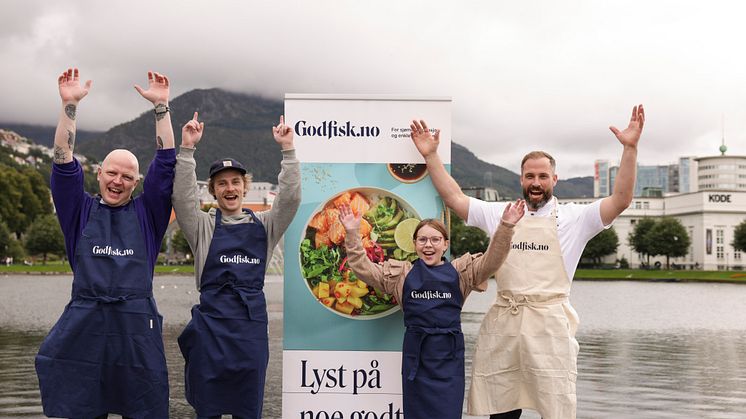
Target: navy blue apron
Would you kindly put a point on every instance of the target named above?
(226, 345)
(433, 354)
(105, 354)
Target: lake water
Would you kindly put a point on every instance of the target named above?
(647, 350)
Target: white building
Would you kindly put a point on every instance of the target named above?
(710, 212)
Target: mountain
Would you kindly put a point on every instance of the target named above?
(236, 125)
(44, 134)
(577, 187)
(468, 170)
(239, 126)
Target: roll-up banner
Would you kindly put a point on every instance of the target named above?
(342, 338)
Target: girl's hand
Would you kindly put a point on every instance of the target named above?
(514, 211)
(348, 218)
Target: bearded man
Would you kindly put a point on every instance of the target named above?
(526, 352)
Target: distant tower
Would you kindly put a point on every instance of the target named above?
(723, 148)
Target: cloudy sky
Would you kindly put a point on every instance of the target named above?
(549, 75)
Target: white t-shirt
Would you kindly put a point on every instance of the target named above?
(577, 224)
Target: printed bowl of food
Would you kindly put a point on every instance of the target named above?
(407, 172)
(386, 230)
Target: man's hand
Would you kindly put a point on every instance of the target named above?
(425, 142)
(71, 92)
(157, 92)
(514, 211)
(283, 134)
(631, 135)
(191, 133)
(348, 218)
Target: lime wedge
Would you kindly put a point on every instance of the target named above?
(403, 234)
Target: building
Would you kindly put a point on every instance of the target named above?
(709, 217)
(654, 180)
(706, 194)
(722, 173)
(601, 178)
(485, 194)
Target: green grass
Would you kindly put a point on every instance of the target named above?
(581, 274)
(661, 275)
(64, 268)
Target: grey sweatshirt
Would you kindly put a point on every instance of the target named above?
(198, 226)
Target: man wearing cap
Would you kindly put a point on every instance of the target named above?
(225, 345)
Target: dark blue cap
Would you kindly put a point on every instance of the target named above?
(224, 164)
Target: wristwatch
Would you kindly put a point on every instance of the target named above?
(160, 109)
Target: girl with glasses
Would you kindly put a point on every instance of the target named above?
(431, 292)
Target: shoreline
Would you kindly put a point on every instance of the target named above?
(721, 277)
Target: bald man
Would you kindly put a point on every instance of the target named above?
(105, 354)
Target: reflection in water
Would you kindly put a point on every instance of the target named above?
(676, 374)
(654, 355)
(19, 388)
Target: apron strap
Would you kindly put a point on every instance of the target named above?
(424, 332)
(514, 301)
(243, 292)
(107, 299)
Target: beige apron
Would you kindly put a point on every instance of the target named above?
(526, 352)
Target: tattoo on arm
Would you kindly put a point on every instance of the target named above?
(70, 110)
(59, 155)
(159, 140)
(71, 139)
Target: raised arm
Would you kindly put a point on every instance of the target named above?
(71, 93)
(448, 189)
(158, 94)
(369, 272)
(184, 197)
(497, 251)
(287, 201)
(624, 185)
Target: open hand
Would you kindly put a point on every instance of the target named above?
(158, 89)
(425, 142)
(514, 211)
(631, 135)
(70, 89)
(191, 132)
(348, 218)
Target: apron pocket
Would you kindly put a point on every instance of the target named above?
(551, 381)
(69, 386)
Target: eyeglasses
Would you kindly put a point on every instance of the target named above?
(422, 240)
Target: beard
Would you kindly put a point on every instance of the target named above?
(532, 203)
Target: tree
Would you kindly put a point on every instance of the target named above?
(668, 238)
(44, 236)
(604, 243)
(4, 240)
(466, 239)
(39, 187)
(739, 237)
(23, 197)
(637, 238)
(16, 250)
(180, 243)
